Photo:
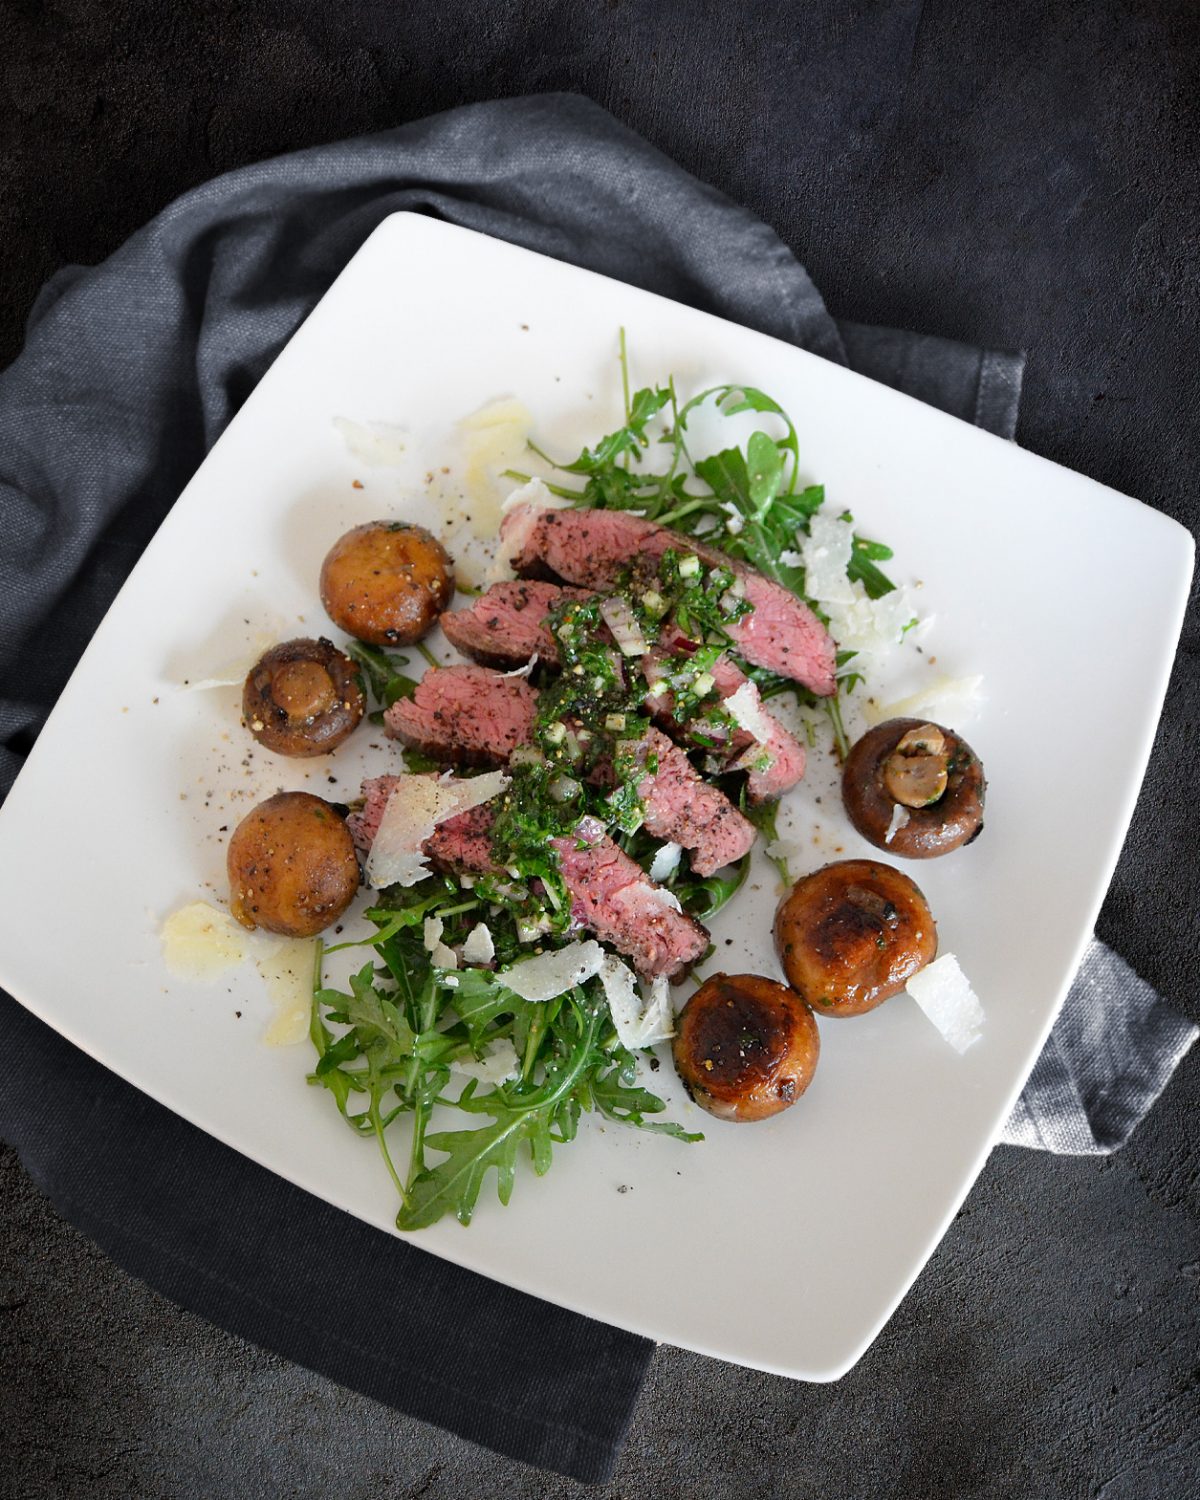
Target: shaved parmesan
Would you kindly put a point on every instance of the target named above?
(955, 698)
(857, 622)
(942, 992)
(234, 673)
(552, 974)
(825, 552)
(479, 947)
(746, 710)
(624, 1003)
(379, 444)
(201, 941)
(870, 627)
(497, 1065)
(734, 520)
(900, 816)
(494, 439)
(658, 1018)
(664, 897)
(641, 1020)
(525, 670)
(441, 956)
(287, 974)
(665, 862)
(533, 493)
(414, 809)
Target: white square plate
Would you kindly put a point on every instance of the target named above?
(783, 1245)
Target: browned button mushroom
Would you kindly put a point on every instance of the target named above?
(292, 867)
(302, 698)
(386, 582)
(913, 788)
(745, 1047)
(851, 934)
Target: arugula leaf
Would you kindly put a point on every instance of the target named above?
(617, 1097)
(382, 674)
(765, 466)
(726, 475)
(479, 1002)
(453, 1186)
(517, 1114)
(863, 557)
(630, 439)
(765, 817)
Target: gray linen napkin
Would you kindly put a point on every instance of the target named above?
(133, 368)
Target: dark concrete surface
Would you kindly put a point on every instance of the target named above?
(1020, 175)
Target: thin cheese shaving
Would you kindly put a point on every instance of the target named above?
(381, 445)
(552, 974)
(414, 809)
(641, 1019)
(234, 673)
(479, 947)
(497, 1065)
(200, 941)
(746, 710)
(658, 1018)
(825, 552)
(948, 698)
(287, 974)
(942, 992)
(857, 622)
(665, 862)
(664, 897)
(524, 671)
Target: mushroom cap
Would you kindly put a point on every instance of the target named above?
(852, 934)
(954, 819)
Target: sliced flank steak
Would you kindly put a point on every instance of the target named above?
(591, 547)
(505, 627)
(476, 707)
(611, 895)
(774, 764)
(468, 715)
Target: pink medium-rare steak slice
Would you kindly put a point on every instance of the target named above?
(506, 626)
(613, 897)
(681, 807)
(678, 803)
(468, 715)
(590, 547)
(610, 894)
(777, 768)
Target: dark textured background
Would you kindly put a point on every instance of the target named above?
(1020, 175)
